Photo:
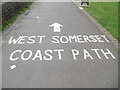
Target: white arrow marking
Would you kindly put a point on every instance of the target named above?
(56, 27)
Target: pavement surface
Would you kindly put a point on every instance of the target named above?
(65, 73)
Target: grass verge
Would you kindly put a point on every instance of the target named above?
(7, 23)
(106, 13)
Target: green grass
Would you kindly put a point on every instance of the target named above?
(106, 13)
(7, 23)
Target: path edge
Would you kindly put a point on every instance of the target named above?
(99, 26)
(19, 18)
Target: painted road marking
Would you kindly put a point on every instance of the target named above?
(48, 54)
(56, 27)
(13, 67)
(37, 17)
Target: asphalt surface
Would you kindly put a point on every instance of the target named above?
(65, 73)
